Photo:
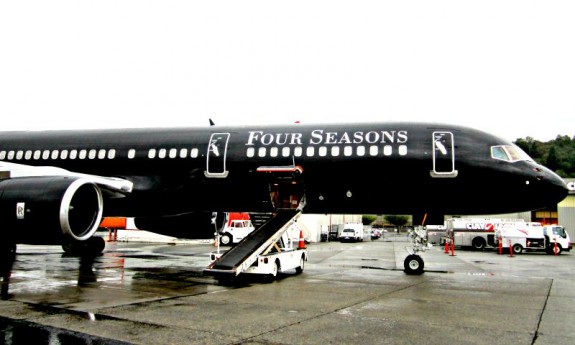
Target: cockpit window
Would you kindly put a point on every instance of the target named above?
(509, 153)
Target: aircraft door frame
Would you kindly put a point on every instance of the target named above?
(216, 155)
(443, 154)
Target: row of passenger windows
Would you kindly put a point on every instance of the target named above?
(93, 154)
(322, 151)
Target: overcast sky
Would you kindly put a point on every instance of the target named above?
(507, 67)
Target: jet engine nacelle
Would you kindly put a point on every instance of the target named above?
(49, 209)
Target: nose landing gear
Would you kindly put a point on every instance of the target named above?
(413, 263)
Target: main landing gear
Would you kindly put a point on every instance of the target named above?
(413, 263)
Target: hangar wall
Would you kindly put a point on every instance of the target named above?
(566, 209)
(312, 224)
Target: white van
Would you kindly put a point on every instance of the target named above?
(351, 233)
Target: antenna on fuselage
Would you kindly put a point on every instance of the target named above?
(212, 123)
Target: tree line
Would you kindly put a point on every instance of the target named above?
(557, 154)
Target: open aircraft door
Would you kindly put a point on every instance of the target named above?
(443, 154)
(216, 155)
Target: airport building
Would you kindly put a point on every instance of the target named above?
(566, 209)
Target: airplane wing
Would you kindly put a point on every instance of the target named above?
(111, 184)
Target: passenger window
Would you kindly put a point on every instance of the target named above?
(262, 152)
(64, 154)
(131, 153)
(322, 151)
(285, 152)
(183, 153)
(92, 154)
(19, 155)
(298, 151)
(402, 150)
(310, 151)
(194, 153)
(2, 154)
(83, 154)
(162, 153)
(360, 150)
(112, 154)
(73, 154)
(11, 155)
(152, 153)
(28, 155)
(373, 150)
(387, 150)
(335, 151)
(45, 154)
(54, 154)
(37, 154)
(347, 151)
(173, 153)
(101, 154)
(274, 152)
(250, 152)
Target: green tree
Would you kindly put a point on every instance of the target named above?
(557, 154)
(552, 162)
(368, 219)
(397, 220)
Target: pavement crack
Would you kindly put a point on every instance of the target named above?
(536, 333)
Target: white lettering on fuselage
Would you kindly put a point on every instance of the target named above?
(323, 137)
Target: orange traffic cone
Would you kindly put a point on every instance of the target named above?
(301, 244)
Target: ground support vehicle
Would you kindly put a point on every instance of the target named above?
(268, 250)
(352, 232)
(280, 259)
(236, 227)
(553, 239)
(477, 233)
(435, 234)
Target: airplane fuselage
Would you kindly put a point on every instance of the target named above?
(391, 168)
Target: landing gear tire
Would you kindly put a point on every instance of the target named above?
(226, 240)
(413, 264)
(299, 269)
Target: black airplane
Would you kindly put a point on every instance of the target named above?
(56, 186)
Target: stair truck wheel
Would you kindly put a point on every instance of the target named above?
(301, 264)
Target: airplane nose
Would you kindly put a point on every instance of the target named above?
(554, 188)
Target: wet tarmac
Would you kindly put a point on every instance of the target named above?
(146, 293)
